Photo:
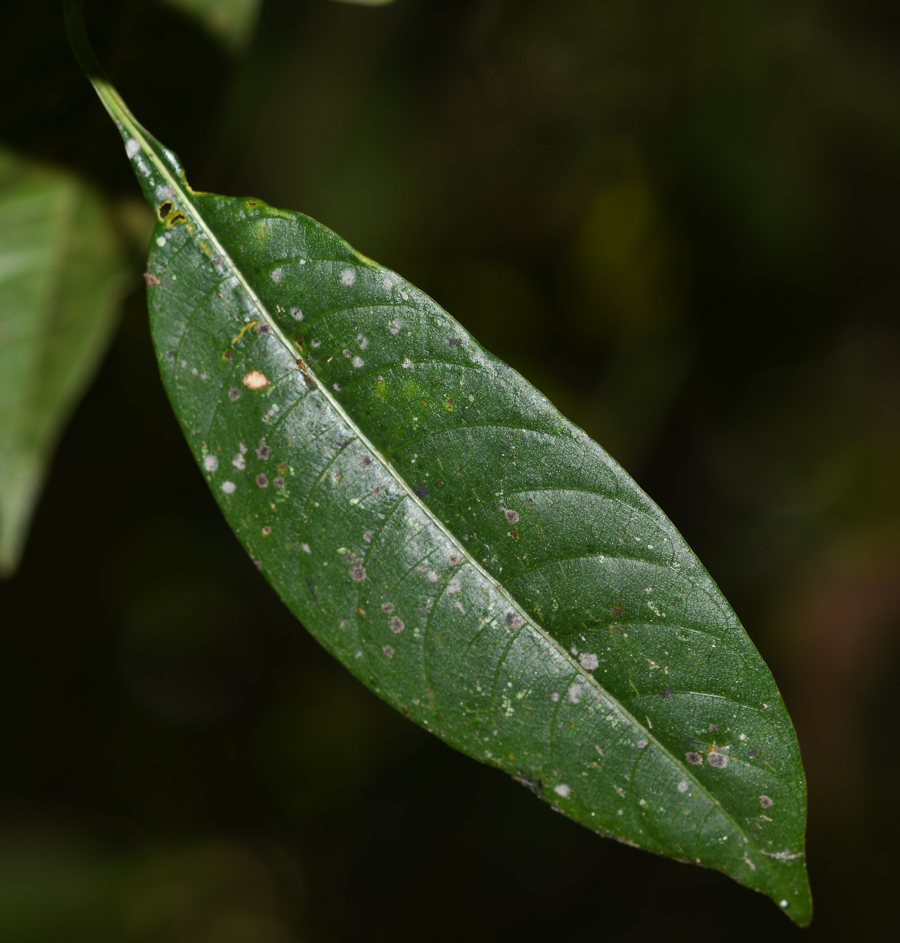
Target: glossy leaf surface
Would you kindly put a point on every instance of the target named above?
(60, 279)
(463, 549)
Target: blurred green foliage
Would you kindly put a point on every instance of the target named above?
(679, 221)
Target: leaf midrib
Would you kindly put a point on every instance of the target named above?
(115, 104)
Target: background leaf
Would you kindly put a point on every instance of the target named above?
(232, 22)
(61, 278)
(470, 555)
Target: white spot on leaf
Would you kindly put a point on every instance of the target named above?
(228, 487)
(562, 790)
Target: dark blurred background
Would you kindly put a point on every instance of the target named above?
(680, 221)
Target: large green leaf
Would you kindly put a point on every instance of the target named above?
(60, 281)
(466, 552)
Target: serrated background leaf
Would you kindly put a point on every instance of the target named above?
(470, 555)
(61, 278)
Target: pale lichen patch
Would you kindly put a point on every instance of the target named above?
(255, 380)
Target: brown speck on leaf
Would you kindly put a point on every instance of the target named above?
(267, 530)
(388, 651)
(454, 559)
(350, 559)
(345, 352)
(766, 802)
(367, 537)
(421, 491)
(358, 574)
(397, 624)
(264, 451)
(367, 461)
(282, 467)
(717, 760)
(262, 481)
(616, 612)
(234, 394)
(279, 482)
(228, 355)
(666, 693)
(514, 620)
(752, 753)
(693, 758)
(310, 382)
(713, 727)
(511, 516)
(150, 278)
(263, 329)
(255, 380)
(376, 490)
(387, 607)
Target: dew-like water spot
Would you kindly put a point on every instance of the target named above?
(387, 607)
(262, 481)
(454, 585)
(432, 576)
(554, 696)
(296, 314)
(276, 275)
(255, 380)
(460, 606)
(642, 743)
(766, 802)
(394, 327)
(357, 362)
(407, 363)
(514, 620)
(588, 661)
(132, 148)
(693, 758)
(563, 790)
(210, 463)
(305, 548)
(239, 462)
(348, 276)
(228, 487)
(575, 693)
(397, 625)
(362, 341)
(683, 786)
(336, 387)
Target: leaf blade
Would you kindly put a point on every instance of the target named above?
(270, 330)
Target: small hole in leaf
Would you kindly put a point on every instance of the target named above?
(164, 209)
(177, 218)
